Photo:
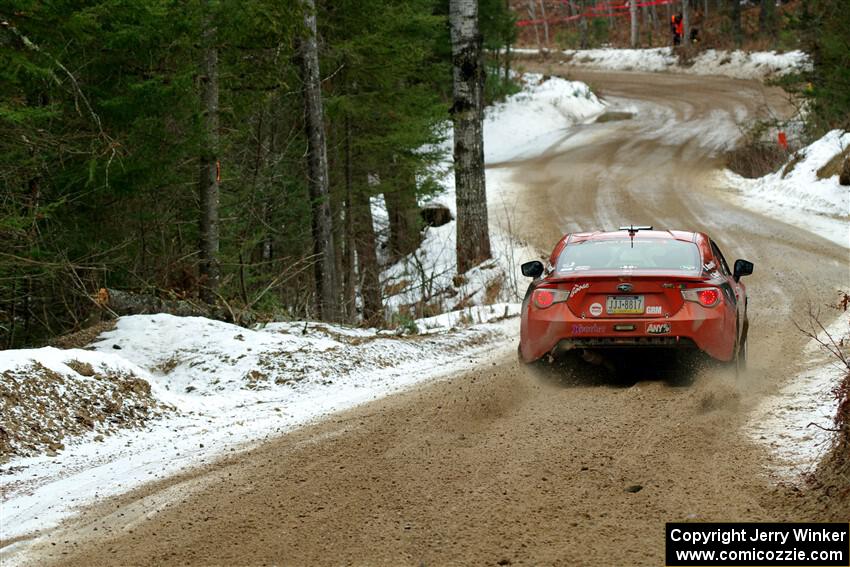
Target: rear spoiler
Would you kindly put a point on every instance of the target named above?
(640, 275)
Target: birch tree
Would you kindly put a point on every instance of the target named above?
(473, 239)
(324, 270)
(532, 13)
(545, 22)
(634, 16)
(209, 178)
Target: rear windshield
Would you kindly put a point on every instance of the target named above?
(643, 254)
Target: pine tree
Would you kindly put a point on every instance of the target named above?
(327, 293)
(209, 176)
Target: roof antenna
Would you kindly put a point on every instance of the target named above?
(633, 230)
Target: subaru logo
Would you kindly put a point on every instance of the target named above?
(624, 287)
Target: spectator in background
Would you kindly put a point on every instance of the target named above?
(677, 28)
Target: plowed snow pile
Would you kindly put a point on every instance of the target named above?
(736, 64)
(193, 358)
(798, 195)
(49, 395)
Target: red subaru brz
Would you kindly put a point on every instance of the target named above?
(635, 288)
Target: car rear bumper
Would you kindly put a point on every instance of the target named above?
(557, 328)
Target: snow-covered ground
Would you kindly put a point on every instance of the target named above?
(793, 421)
(736, 64)
(528, 122)
(228, 387)
(796, 195)
(525, 124)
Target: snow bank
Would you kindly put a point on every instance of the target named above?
(200, 362)
(737, 64)
(224, 388)
(530, 121)
(791, 421)
(796, 195)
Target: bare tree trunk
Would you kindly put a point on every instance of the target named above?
(736, 23)
(705, 13)
(209, 176)
(127, 303)
(403, 213)
(634, 16)
(473, 238)
(655, 22)
(545, 22)
(350, 276)
(367, 260)
(507, 47)
(582, 24)
(686, 25)
(766, 15)
(532, 13)
(317, 167)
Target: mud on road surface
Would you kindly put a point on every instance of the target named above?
(501, 465)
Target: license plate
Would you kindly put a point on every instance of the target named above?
(624, 304)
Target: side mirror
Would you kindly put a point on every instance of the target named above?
(742, 268)
(532, 269)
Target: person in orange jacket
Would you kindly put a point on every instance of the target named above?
(677, 28)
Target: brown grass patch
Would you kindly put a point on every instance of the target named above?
(83, 337)
(166, 366)
(493, 291)
(41, 410)
(792, 163)
(755, 159)
(396, 288)
(833, 166)
(81, 368)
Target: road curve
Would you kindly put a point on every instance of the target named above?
(498, 465)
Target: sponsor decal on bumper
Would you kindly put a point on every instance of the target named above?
(588, 329)
(658, 328)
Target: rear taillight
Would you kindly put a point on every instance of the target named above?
(705, 296)
(544, 298)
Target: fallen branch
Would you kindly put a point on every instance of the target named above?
(128, 303)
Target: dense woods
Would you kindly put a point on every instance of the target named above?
(226, 152)
(215, 151)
